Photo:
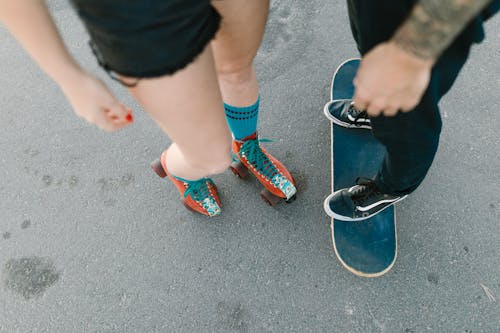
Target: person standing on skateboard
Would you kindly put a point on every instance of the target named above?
(412, 53)
(200, 91)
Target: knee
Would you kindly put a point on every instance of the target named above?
(235, 72)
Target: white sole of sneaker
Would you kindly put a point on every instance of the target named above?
(325, 108)
(334, 120)
(329, 212)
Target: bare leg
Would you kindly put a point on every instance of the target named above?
(188, 107)
(235, 46)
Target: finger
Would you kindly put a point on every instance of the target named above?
(376, 107)
(360, 100)
(113, 108)
(373, 112)
(110, 122)
(359, 74)
(106, 124)
(408, 101)
(118, 123)
(128, 114)
(355, 81)
(408, 105)
(117, 111)
(110, 116)
(390, 111)
(118, 126)
(119, 114)
(101, 118)
(129, 117)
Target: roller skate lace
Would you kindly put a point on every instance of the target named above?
(199, 192)
(257, 159)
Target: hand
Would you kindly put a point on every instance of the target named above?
(92, 101)
(389, 80)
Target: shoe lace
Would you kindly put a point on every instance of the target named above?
(365, 190)
(251, 150)
(199, 190)
(357, 114)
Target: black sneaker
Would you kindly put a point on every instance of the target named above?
(359, 202)
(343, 113)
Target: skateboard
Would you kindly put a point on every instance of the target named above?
(366, 248)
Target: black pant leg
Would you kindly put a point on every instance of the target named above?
(375, 21)
(412, 138)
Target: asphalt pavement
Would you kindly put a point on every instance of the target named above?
(91, 240)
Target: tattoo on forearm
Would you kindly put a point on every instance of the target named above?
(434, 24)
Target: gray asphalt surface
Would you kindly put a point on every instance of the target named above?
(92, 241)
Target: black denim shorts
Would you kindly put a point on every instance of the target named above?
(147, 38)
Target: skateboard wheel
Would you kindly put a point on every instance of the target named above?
(239, 170)
(158, 168)
(292, 199)
(269, 198)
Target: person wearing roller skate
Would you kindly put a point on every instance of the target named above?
(412, 53)
(189, 63)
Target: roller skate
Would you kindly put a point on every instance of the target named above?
(248, 155)
(199, 196)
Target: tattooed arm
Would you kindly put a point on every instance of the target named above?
(394, 75)
(434, 24)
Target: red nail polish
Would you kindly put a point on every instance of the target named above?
(129, 117)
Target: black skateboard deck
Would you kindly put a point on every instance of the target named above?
(367, 248)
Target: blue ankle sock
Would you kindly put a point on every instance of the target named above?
(242, 120)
